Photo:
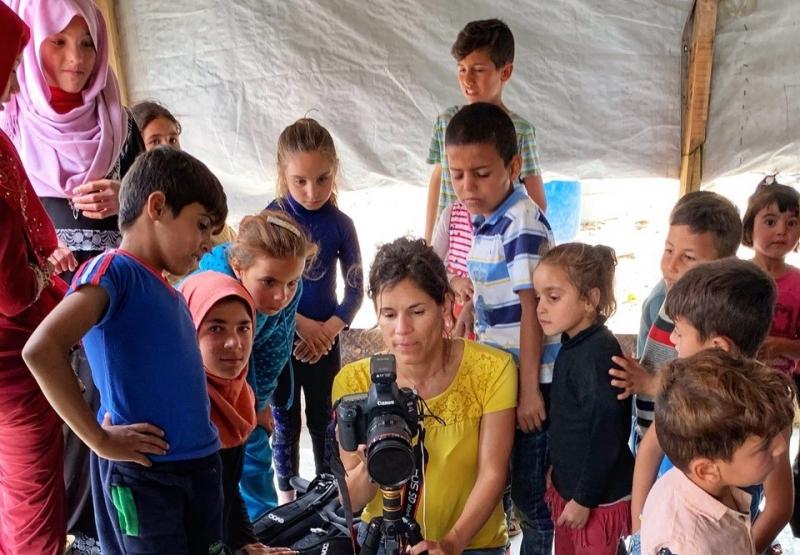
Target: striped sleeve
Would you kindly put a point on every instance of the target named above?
(100, 271)
(526, 141)
(523, 244)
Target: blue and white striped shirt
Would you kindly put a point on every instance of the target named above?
(505, 250)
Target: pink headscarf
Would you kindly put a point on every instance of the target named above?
(233, 405)
(63, 151)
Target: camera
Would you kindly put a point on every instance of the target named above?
(386, 420)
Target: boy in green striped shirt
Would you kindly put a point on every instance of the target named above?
(484, 51)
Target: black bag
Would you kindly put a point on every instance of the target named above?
(313, 509)
(324, 542)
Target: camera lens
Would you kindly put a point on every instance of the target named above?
(390, 459)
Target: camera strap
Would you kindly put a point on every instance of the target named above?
(413, 490)
(338, 471)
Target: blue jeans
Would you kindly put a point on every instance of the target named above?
(529, 462)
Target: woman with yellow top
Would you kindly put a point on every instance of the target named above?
(472, 388)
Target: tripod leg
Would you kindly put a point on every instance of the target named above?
(413, 533)
(373, 540)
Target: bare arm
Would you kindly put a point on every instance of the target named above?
(645, 471)
(494, 452)
(433, 201)
(47, 355)
(535, 187)
(530, 411)
(779, 494)
(359, 485)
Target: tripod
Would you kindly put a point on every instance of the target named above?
(393, 529)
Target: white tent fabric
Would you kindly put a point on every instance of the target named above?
(599, 80)
(754, 120)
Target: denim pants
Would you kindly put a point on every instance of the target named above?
(529, 462)
(362, 535)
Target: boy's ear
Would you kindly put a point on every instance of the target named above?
(156, 205)
(724, 343)
(704, 471)
(514, 168)
(506, 71)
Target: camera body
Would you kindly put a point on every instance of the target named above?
(385, 419)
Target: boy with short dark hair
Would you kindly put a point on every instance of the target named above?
(703, 226)
(720, 418)
(154, 466)
(511, 235)
(725, 304)
(484, 52)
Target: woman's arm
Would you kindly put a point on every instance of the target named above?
(645, 471)
(779, 494)
(494, 452)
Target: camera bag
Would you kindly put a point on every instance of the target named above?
(289, 523)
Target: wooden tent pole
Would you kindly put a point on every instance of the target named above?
(110, 14)
(698, 58)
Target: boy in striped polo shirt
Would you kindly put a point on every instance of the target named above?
(703, 226)
(484, 51)
(511, 234)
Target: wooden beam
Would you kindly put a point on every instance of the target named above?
(114, 57)
(698, 58)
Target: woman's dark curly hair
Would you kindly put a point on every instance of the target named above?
(413, 259)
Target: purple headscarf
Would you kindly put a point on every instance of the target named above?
(63, 151)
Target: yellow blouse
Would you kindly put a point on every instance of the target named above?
(486, 382)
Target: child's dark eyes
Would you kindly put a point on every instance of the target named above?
(269, 282)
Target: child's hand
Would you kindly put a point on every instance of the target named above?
(333, 326)
(265, 419)
(574, 515)
(314, 335)
(130, 442)
(304, 353)
(97, 199)
(530, 410)
(463, 288)
(261, 549)
(62, 259)
(465, 322)
(633, 378)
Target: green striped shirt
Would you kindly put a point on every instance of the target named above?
(526, 141)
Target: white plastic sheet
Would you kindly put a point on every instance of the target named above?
(600, 80)
(754, 120)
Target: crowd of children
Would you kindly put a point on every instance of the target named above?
(192, 343)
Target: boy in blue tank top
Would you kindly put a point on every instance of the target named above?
(155, 470)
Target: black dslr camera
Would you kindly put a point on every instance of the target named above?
(385, 419)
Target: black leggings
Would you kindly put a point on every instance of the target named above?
(316, 381)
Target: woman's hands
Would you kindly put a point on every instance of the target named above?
(97, 199)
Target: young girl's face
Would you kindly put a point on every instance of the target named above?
(272, 282)
(226, 338)
(68, 57)
(12, 85)
(309, 178)
(161, 132)
(561, 308)
(775, 233)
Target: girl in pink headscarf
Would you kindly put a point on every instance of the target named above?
(70, 128)
(224, 315)
(31, 454)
